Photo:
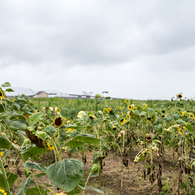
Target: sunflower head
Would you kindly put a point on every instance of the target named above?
(119, 107)
(179, 96)
(108, 109)
(92, 117)
(163, 111)
(127, 101)
(144, 106)
(163, 116)
(105, 110)
(149, 118)
(191, 115)
(58, 121)
(121, 114)
(123, 121)
(183, 113)
(129, 107)
(148, 138)
(1, 94)
(128, 116)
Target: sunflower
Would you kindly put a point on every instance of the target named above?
(149, 118)
(105, 110)
(183, 113)
(163, 111)
(123, 121)
(119, 107)
(127, 101)
(121, 114)
(128, 116)
(1, 94)
(3, 191)
(92, 117)
(179, 96)
(58, 121)
(163, 116)
(108, 109)
(129, 107)
(144, 106)
(1, 154)
(180, 131)
(49, 147)
(191, 115)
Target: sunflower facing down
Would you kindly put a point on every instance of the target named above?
(1, 94)
(58, 121)
(127, 101)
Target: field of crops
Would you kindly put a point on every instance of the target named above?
(96, 146)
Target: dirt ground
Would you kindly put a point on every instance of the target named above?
(111, 175)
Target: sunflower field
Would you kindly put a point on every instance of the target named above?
(100, 146)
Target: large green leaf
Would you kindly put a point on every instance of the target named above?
(9, 90)
(187, 125)
(37, 190)
(32, 165)
(79, 140)
(17, 124)
(24, 187)
(4, 143)
(4, 114)
(66, 174)
(6, 84)
(11, 179)
(34, 118)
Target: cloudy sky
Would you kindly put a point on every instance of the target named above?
(133, 49)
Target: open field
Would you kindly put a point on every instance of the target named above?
(57, 146)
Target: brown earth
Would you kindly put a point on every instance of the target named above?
(111, 175)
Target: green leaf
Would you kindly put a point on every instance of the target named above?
(79, 140)
(16, 106)
(11, 179)
(9, 90)
(17, 124)
(50, 130)
(187, 125)
(182, 186)
(66, 174)
(34, 118)
(4, 115)
(4, 143)
(6, 84)
(24, 187)
(97, 190)
(1, 108)
(32, 165)
(38, 190)
(32, 152)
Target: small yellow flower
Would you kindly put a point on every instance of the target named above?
(3, 191)
(123, 121)
(49, 147)
(105, 110)
(129, 107)
(128, 116)
(69, 129)
(183, 113)
(191, 115)
(135, 107)
(119, 107)
(103, 125)
(127, 101)
(121, 114)
(35, 111)
(180, 131)
(1, 154)
(26, 115)
(1, 94)
(145, 106)
(108, 109)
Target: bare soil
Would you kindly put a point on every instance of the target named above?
(111, 175)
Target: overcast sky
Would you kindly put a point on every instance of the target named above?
(143, 49)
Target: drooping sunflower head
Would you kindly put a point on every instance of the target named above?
(58, 121)
(105, 110)
(1, 94)
(179, 96)
(129, 107)
(127, 101)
